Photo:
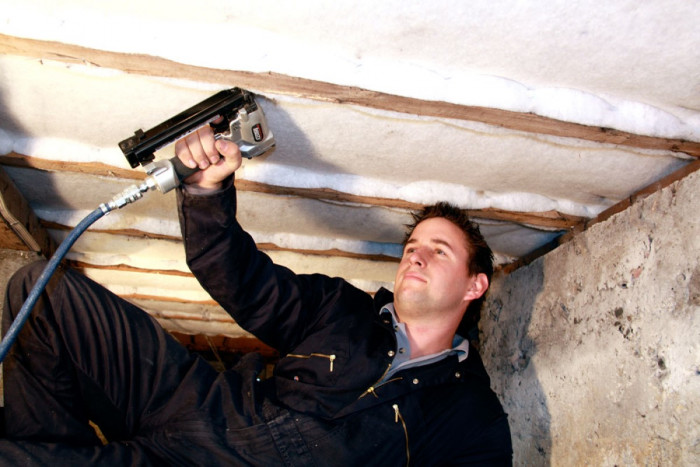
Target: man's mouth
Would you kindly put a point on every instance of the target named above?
(414, 276)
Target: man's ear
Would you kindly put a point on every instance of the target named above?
(478, 287)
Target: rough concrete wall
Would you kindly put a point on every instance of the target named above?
(595, 348)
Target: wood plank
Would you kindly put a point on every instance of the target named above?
(99, 169)
(317, 90)
(20, 228)
(549, 220)
(242, 345)
(83, 267)
(9, 240)
(635, 197)
(611, 211)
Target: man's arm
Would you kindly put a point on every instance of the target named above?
(268, 300)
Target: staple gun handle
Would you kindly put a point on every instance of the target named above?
(181, 170)
(167, 174)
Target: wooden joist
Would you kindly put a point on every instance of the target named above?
(549, 220)
(19, 227)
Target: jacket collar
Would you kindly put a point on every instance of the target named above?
(381, 298)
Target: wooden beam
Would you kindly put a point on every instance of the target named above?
(242, 345)
(263, 246)
(99, 169)
(282, 84)
(19, 227)
(549, 220)
(634, 198)
(608, 213)
(84, 267)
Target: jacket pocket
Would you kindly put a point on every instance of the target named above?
(399, 418)
(322, 367)
(331, 358)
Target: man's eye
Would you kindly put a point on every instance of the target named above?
(440, 252)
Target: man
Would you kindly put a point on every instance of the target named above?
(360, 380)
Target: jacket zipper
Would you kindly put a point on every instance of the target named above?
(399, 418)
(378, 383)
(372, 389)
(331, 357)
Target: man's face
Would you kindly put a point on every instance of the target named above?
(432, 276)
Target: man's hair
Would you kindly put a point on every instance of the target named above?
(480, 256)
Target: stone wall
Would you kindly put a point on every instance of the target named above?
(594, 348)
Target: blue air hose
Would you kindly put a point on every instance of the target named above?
(129, 195)
(44, 278)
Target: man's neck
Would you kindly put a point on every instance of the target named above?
(428, 338)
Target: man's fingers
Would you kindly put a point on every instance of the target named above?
(201, 148)
(182, 151)
(226, 148)
(208, 144)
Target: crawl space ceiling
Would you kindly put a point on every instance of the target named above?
(535, 116)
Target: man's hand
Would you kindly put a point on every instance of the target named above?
(217, 159)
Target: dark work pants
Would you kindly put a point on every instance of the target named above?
(86, 355)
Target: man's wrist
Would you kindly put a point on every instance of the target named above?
(202, 190)
(199, 190)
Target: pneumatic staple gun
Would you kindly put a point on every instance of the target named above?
(233, 114)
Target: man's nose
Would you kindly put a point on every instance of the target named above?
(417, 257)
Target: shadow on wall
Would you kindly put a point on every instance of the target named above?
(507, 350)
(37, 187)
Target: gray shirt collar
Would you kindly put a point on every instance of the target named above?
(402, 360)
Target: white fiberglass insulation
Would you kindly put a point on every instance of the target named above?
(526, 56)
(347, 148)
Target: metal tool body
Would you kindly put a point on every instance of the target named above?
(232, 113)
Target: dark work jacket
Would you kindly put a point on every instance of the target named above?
(335, 348)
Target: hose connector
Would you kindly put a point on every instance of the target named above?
(128, 196)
